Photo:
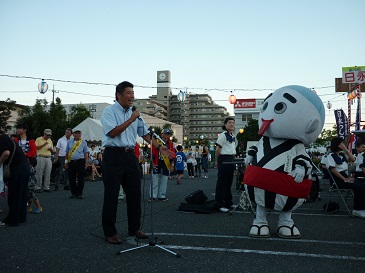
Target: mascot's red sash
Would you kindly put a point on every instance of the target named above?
(277, 182)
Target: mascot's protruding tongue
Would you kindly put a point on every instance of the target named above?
(264, 126)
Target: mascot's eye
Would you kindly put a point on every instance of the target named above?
(280, 108)
(264, 107)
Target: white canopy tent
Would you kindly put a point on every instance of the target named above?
(93, 132)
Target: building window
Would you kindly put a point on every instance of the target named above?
(246, 117)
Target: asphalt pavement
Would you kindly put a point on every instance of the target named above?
(68, 237)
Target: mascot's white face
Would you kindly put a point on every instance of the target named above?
(292, 112)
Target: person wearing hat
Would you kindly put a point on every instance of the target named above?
(76, 163)
(161, 170)
(44, 163)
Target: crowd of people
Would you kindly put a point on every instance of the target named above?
(65, 163)
(336, 161)
(118, 163)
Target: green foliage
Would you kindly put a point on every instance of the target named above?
(325, 137)
(250, 134)
(78, 114)
(59, 123)
(5, 112)
(39, 118)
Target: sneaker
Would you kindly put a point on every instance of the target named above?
(205, 176)
(149, 200)
(358, 213)
(30, 210)
(163, 199)
(223, 209)
(47, 190)
(80, 197)
(38, 210)
(2, 224)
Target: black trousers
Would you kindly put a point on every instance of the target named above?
(121, 168)
(76, 169)
(223, 194)
(358, 187)
(17, 193)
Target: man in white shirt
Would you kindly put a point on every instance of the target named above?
(61, 156)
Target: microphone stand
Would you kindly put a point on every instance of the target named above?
(152, 239)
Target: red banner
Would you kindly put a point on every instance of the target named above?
(245, 103)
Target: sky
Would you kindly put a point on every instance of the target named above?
(209, 46)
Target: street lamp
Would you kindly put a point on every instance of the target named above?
(42, 87)
(181, 96)
(232, 98)
(242, 130)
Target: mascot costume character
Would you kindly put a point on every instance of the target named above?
(279, 171)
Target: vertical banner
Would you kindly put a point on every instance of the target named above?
(358, 117)
(342, 123)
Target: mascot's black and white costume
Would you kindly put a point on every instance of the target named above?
(279, 171)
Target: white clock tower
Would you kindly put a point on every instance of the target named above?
(164, 88)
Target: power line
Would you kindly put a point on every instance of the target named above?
(155, 87)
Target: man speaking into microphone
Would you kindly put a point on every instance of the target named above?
(121, 126)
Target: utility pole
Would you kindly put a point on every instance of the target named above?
(53, 91)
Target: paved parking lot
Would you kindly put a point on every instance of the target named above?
(67, 237)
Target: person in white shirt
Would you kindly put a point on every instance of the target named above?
(360, 160)
(93, 155)
(61, 156)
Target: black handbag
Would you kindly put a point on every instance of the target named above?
(197, 197)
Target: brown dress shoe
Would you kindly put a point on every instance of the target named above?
(139, 234)
(114, 240)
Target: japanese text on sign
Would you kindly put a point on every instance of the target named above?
(354, 74)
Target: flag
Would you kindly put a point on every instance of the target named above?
(358, 115)
(342, 123)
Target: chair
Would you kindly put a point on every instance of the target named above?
(334, 188)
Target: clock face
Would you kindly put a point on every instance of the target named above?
(162, 76)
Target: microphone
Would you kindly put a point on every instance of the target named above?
(134, 108)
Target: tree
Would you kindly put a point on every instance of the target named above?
(325, 137)
(250, 134)
(78, 114)
(37, 118)
(59, 119)
(5, 113)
